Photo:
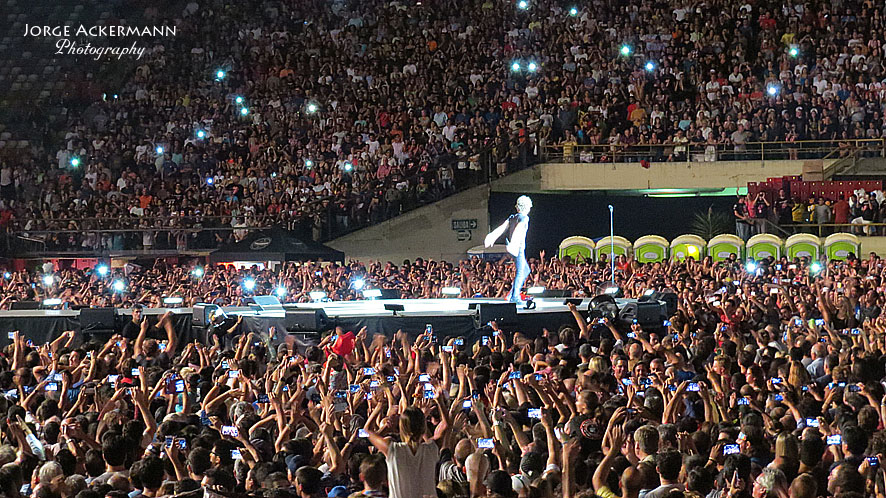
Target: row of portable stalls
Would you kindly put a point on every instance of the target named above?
(653, 248)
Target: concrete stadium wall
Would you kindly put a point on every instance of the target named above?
(425, 232)
(632, 176)
(872, 244)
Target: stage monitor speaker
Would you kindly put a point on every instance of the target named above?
(390, 294)
(201, 314)
(647, 314)
(24, 305)
(306, 320)
(556, 293)
(501, 313)
(98, 319)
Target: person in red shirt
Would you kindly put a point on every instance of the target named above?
(841, 210)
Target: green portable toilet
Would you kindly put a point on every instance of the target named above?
(651, 249)
(839, 245)
(577, 247)
(688, 246)
(725, 245)
(618, 246)
(762, 246)
(803, 245)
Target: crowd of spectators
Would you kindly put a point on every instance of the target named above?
(354, 111)
(763, 383)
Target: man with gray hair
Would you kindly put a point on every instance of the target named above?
(515, 227)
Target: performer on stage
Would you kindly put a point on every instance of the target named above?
(515, 226)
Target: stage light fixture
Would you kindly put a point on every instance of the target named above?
(317, 295)
(54, 301)
(173, 300)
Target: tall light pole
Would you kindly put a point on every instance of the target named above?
(612, 243)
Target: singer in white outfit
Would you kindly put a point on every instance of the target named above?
(515, 226)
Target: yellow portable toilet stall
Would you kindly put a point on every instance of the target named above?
(651, 249)
(725, 245)
(618, 246)
(688, 246)
(803, 245)
(578, 248)
(762, 246)
(839, 245)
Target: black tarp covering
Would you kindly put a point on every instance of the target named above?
(275, 244)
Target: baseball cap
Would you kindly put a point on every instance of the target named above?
(338, 492)
(499, 481)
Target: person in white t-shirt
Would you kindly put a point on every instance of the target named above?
(412, 463)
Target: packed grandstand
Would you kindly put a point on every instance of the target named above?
(765, 379)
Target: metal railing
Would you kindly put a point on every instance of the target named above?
(702, 152)
(825, 229)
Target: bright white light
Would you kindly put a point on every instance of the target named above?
(371, 293)
(358, 283)
(573, 12)
(220, 75)
(52, 302)
(238, 99)
(7, 275)
(244, 111)
(451, 291)
(159, 150)
(650, 66)
(312, 108)
(532, 67)
(173, 300)
(102, 270)
(197, 272)
(751, 267)
(611, 290)
(308, 163)
(210, 180)
(794, 52)
(535, 290)
(317, 295)
(515, 66)
(772, 90)
(201, 134)
(815, 267)
(625, 50)
(75, 161)
(249, 284)
(281, 291)
(349, 167)
(649, 292)
(48, 280)
(118, 285)
(523, 5)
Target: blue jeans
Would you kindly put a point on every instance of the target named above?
(743, 230)
(519, 278)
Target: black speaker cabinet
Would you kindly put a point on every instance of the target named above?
(647, 314)
(501, 313)
(306, 320)
(97, 319)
